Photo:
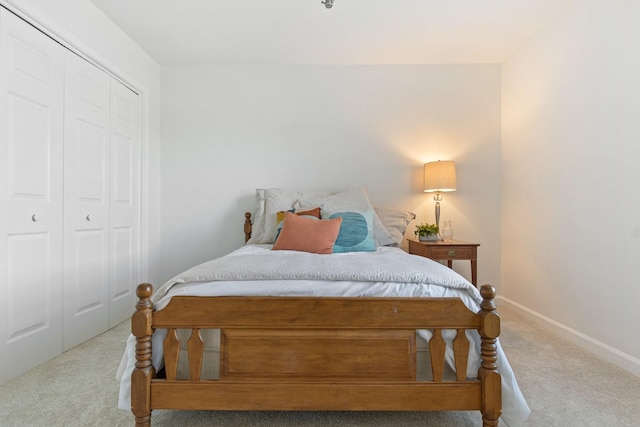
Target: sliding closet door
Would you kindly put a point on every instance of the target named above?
(31, 162)
(86, 201)
(124, 202)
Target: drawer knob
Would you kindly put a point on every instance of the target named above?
(451, 253)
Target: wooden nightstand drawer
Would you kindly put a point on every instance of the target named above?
(451, 253)
(416, 248)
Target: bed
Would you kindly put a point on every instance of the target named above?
(268, 328)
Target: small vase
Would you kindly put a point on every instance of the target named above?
(428, 238)
(447, 231)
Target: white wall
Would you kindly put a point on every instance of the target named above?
(571, 204)
(230, 129)
(84, 28)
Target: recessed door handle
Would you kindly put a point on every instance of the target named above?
(88, 217)
(35, 217)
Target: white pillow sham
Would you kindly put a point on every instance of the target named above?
(269, 201)
(395, 221)
(356, 200)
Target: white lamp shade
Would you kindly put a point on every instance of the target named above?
(439, 176)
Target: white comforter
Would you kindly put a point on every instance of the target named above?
(388, 272)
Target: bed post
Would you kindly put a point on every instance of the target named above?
(143, 372)
(488, 372)
(247, 226)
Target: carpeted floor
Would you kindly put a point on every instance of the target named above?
(564, 386)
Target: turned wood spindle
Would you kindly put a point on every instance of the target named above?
(143, 372)
(247, 226)
(488, 372)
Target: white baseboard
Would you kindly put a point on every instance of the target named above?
(592, 345)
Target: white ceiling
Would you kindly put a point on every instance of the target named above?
(352, 32)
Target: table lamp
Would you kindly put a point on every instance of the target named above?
(439, 177)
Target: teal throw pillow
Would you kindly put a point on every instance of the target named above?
(356, 232)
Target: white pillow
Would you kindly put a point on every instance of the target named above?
(356, 200)
(270, 201)
(395, 221)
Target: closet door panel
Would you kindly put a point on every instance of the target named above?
(29, 284)
(123, 269)
(124, 205)
(31, 172)
(86, 196)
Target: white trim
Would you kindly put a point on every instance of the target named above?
(77, 47)
(598, 348)
(72, 43)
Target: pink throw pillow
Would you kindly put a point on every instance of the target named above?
(308, 234)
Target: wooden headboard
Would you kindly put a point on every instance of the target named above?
(247, 226)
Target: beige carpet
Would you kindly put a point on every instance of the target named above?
(564, 386)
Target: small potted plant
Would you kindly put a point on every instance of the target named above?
(427, 232)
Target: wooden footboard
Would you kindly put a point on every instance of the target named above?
(291, 353)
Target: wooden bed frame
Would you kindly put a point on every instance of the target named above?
(315, 353)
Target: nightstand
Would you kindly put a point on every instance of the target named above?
(453, 250)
